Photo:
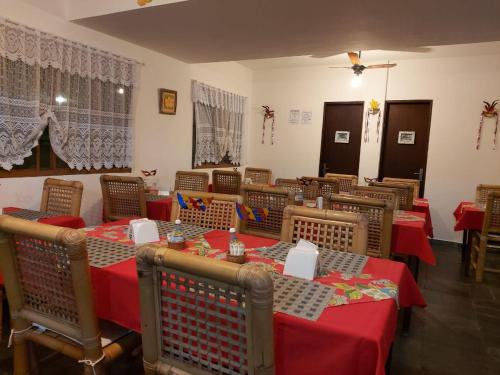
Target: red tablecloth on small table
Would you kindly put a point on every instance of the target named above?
(468, 217)
(159, 209)
(74, 222)
(422, 205)
(349, 339)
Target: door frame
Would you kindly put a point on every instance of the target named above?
(384, 131)
(362, 102)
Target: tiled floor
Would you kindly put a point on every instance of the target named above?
(458, 333)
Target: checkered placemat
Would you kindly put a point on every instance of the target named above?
(190, 231)
(30, 214)
(155, 197)
(103, 253)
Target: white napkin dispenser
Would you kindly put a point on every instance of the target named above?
(302, 261)
(143, 231)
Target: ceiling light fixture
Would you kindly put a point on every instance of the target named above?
(61, 99)
(121, 91)
(357, 80)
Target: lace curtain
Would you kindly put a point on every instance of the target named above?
(90, 126)
(219, 124)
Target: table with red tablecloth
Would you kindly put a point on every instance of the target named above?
(468, 217)
(422, 205)
(159, 209)
(67, 221)
(352, 338)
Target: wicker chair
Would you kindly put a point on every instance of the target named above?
(226, 182)
(214, 317)
(379, 214)
(380, 193)
(47, 280)
(346, 181)
(326, 187)
(220, 214)
(405, 193)
(287, 184)
(416, 184)
(193, 181)
(273, 198)
(341, 231)
(123, 197)
(61, 197)
(260, 176)
(488, 241)
(482, 192)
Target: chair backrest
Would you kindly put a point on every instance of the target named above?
(194, 181)
(123, 197)
(379, 214)
(405, 193)
(258, 175)
(219, 214)
(203, 315)
(61, 197)
(273, 198)
(380, 193)
(346, 181)
(326, 186)
(491, 223)
(341, 231)
(288, 184)
(47, 279)
(226, 182)
(416, 184)
(482, 192)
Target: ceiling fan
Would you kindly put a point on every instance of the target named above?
(357, 67)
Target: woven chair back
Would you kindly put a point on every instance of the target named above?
(258, 175)
(272, 198)
(380, 193)
(226, 182)
(219, 214)
(193, 181)
(341, 231)
(346, 181)
(415, 183)
(326, 187)
(203, 315)
(61, 197)
(123, 197)
(405, 193)
(288, 184)
(482, 192)
(379, 214)
(491, 223)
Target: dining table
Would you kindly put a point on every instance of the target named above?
(468, 216)
(67, 221)
(353, 333)
(158, 207)
(422, 205)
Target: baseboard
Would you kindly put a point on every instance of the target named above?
(443, 242)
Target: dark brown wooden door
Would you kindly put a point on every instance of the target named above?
(341, 156)
(404, 155)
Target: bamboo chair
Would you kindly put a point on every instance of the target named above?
(258, 175)
(213, 317)
(273, 198)
(488, 241)
(291, 185)
(226, 182)
(379, 214)
(405, 193)
(380, 193)
(61, 197)
(193, 181)
(220, 213)
(341, 231)
(416, 184)
(326, 187)
(346, 181)
(482, 192)
(47, 279)
(123, 197)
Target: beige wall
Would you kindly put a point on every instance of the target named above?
(457, 87)
(161, 141)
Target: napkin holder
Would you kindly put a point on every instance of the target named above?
(143, 231)
(302, 261)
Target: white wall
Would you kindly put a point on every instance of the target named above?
(161, 141)
(457, 87)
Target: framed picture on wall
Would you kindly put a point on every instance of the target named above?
(168, 101)
(342, 136)
(406, 138)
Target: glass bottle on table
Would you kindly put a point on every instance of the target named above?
(236, 247)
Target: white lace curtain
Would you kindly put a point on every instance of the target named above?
(91, 127)
(219, 124)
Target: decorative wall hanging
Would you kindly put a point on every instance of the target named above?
(149, 179)
(489, 111)
(268, 115)
(374, 110)
(342, 136)
(406, 138)
(168, 101)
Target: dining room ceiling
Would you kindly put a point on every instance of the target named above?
(197, 31)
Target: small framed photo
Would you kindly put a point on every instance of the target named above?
(342, 136)
(168, 101)
(406, 138)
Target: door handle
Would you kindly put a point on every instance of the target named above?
(420, 174)
(325, 168)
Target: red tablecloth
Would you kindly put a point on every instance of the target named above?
(350, 339)
(422, 205)
(159, 209)
(468, 217)
(75, 222)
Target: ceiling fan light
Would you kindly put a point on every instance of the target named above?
(357, 80)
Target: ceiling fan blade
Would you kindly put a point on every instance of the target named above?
(340, 67)
(353, 56)
(377, 66)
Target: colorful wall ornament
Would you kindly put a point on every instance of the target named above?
(268, 115)
(374, 110)
(489, 111)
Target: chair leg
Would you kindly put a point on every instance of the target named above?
(1, 311)
(481, 258)
(21, 357)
